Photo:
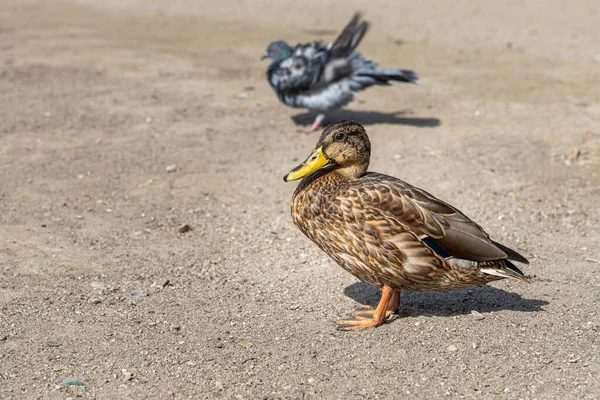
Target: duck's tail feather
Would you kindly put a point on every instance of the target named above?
(349, 38)
(512, 255)
(505, 270)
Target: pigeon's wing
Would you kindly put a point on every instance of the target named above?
(314, 65)
(303, 70)
(349, 38)
(342, 52)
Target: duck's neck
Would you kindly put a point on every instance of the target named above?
(328, 180)
(351, 172)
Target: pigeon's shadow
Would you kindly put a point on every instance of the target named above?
(457, 302)
(370, 118)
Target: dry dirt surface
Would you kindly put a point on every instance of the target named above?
(121, 121)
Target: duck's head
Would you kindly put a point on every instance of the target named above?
(343, 146)
(278, 51)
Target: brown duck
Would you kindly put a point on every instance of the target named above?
(386, 232)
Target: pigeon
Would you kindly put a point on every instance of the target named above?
(325, 77)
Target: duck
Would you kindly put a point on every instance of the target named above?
(325, 77)
(387, 232)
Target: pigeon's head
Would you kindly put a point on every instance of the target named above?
(278, 51)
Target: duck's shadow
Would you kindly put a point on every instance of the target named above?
(482, 298)
(370, 118)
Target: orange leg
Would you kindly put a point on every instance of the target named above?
(394, 303)
(392, 307)
(388, 305)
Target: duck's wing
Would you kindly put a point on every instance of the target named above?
(435, 222)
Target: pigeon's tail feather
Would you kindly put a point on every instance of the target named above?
(384, 76)
(349, 38)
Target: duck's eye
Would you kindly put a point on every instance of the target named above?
(339, 137)
(272, 50)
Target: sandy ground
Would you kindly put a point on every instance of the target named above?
(119, 122)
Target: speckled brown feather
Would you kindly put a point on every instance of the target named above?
(372, 225)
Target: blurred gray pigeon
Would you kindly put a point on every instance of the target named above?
(324, 77)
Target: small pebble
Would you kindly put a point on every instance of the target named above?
(171, 168)
(451, 348)
(573, 359)
(72, 381)
(3, 338)
(571, 156)
(477, 315)
(241, 96)
(94, 300)
(184, 228)
(98, 285)
(175, 327)
(136, 293)
(219, 345)
(127, 374)
(53, 343)
(295, 307)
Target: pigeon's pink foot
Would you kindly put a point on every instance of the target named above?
(315, 125)
(311, 128)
